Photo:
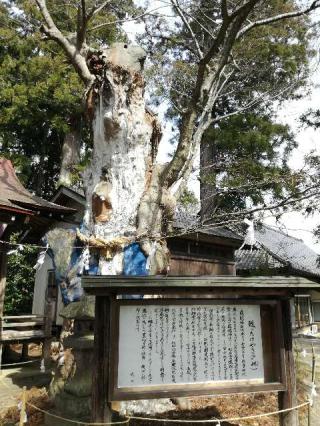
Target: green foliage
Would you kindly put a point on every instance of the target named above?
(268, 59)
(188, 198)
(41, 94)
(20, 281)
(248, 156)
(246, 149)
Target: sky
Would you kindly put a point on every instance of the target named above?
(293, 222)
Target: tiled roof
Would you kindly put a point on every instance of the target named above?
(219, 232)
(275, 249)
(15, 197)
(255, 259)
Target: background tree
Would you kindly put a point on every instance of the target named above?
(20, 281)
(42, 113)
(243, 156)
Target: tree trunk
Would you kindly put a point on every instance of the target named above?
(126, 204)
(124, 198)
(207, 180)
(70, 154)
(3, 274)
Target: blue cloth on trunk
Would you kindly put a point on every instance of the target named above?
(134, 260)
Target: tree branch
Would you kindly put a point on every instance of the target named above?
(97, 9)
(224, 9)
(315, 5)
(121, 21)
(81, 25)
(186, 23)
(193, 126)
(51, 31)
(239, 16)
(192, 130)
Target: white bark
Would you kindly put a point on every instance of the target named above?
(123, 151)
(70, 157)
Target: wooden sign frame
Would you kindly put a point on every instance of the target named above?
(272, 343)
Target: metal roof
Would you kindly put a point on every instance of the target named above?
(16, 198)
(275, 249)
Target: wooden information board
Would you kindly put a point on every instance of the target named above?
(181, 362)
(179, 347)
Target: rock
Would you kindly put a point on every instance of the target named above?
(82, 310)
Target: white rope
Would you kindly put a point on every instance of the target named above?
(215, 421)
(123, 422)
(231, 419)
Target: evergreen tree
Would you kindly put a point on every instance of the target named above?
(20, 280)
(244, 153)
(41, 94)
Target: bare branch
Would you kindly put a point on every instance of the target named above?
(309, 192)
(186, 23)
(121, 21)
(192, 130)
(315, 5)
(95, 10)
(81, 25)
(260, 100)
(238, 17)
(206, 30)
(51, 31)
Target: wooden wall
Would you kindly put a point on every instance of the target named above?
(184, 265)
(194, 257)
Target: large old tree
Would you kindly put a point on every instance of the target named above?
(129, 196)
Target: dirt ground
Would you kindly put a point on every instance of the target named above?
(201, 408)
(225, 407)
(35, 396)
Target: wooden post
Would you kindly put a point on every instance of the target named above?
(23, 407)
(3, 274)
(101, 411)
(47, 333)
(288, 398)
(25, 352)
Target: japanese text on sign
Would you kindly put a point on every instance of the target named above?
(174, 344)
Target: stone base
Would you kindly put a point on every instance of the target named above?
(70, 388)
